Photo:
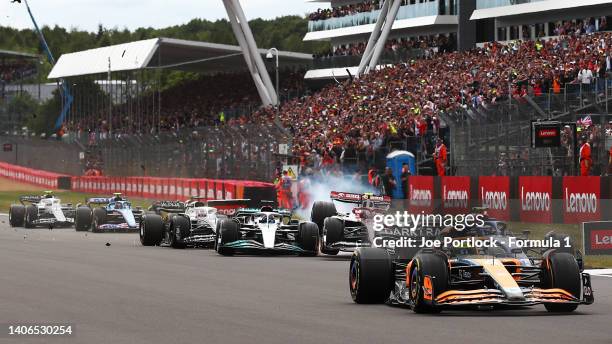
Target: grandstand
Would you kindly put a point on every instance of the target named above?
(422, 28)
(477, 94)
(15, 68)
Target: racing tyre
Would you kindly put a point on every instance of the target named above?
(82, 219)
(562, 272)
(16, 215)
(320, 211)
(370, 275)
(334, 232)
(31, 214)
(151, 230)
(428, 278)
(308, 238)
(99, 218)
(228, 232)
(179, 229)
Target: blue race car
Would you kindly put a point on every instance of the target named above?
(101, 214)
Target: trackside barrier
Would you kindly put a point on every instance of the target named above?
(27, 175)
(540, 199)
(174, 188)
(146, 187)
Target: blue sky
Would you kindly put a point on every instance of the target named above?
(87, 14)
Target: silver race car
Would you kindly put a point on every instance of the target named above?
(45, 210)
(266, 230)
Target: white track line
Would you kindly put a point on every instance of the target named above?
(600, 272)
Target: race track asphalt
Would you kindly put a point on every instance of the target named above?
(126, 293)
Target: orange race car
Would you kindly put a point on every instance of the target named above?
(464, 275)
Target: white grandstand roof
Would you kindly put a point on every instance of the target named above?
(412, 23)
(539, 6)
(162, 53)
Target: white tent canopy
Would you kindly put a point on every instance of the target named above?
(162, 53)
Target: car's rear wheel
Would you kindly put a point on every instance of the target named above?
(82, 219)
(562, 272)
(228, 232)
(370, 275)
(308, 238)
(428, 278)
(31, 215)
(320, 211)
(179, 229)
(17, 215)
(99, 219)
(151, 230)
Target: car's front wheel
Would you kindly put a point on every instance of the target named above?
(17, 215)
(562, 272)
(428, 278)
(308, 238)
(82, 219)
(151, 230)
(179, 227)
(370, 275)
(31, 214)
(228, 232)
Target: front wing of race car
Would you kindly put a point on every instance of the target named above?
(254, 246)
(517, 297)
(54, 216)
(201, 234)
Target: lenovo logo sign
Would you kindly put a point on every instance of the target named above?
(580, 202)
(420, 197)
(547, 133)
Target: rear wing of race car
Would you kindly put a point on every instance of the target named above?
(169, 206)
(228, 206)
(97, 201)
(29, 199)
(347, 197)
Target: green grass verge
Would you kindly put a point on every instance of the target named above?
(538, 231)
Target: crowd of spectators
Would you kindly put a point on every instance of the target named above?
(346, 10)
(354, 119)
(428, 45)
(15, 70)
(580, 27)
(204, 101)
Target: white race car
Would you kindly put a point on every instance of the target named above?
(186, 224)
(45, 210)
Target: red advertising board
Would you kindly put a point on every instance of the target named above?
(581, 199)
(421, 198)
(455, 194)
(535, 195)
(494, 194)
(601, 240)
